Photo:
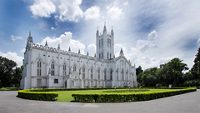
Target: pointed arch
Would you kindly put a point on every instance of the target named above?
(74, 68)
(39, 67)
(64, 69)
(52, 68)
(83, 72)
(92, 70)
(104, 72)
(98, 71)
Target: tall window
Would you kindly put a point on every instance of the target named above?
(117, 74)
(104, 74)
(98, 73)
(74, 68)
(39, 68)
(52, 68)
(122, 74)
(111, 74)
(127, 75)
(91, 72)
(64, 69)
(83, 72)
(99, 43)
(79, 71)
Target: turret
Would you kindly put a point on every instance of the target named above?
(112, 32)
(58, 46)
(97, 33)
(104, 29)
(46, 44)
(29, 41)
(121, 52)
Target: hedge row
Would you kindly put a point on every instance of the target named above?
(100, 98)
(45, 96)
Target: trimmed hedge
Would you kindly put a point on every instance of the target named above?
(45, 96)
(100, 98)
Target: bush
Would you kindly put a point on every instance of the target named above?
(127, 97)
(28, 94)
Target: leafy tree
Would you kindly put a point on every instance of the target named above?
(138, 73)
(9, 74)
(172, 72)
(149, 77)
(139, 70)
(196, 67)
(16, 77)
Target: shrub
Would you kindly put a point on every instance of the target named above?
(46, 96)
(124, 97)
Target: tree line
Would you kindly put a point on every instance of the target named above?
(10, 74)
(174, 72)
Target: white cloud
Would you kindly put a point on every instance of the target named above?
(69, 10)
(114, 12)
(172, 24)
(13, 56)
(42, 8)
(15, 38)
(92, 13)
(65, 40)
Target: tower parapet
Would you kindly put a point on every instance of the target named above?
(105, 44)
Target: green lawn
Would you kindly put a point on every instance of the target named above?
(66, 96)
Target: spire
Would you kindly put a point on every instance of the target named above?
(121, 52)
(79, 51)
(58, 46)
(29, 41)
(112, 32)
(87, 53)
(97, 34)
(46, 44)
(69, 49)
(104, 28)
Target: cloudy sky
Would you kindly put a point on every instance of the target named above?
(151, 32)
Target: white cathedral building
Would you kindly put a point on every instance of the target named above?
(47, 67)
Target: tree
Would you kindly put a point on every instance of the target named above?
(172, 72)
(196, 67)
(139, 70)
(138, 73)
(16, 76)
(149, 77)
(7, 72)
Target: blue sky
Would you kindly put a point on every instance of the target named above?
(150, 32)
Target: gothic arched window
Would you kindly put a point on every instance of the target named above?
(111, 74)
(98, 73)
(39, 68)
(64, 69)
(117, 74)
(122, 74)
(91, 72)
(52, 68)
(83, 72)
(74, 68)
(104, 72)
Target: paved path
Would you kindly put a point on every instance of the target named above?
(185, 103)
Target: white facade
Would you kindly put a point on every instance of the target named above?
(49, 67)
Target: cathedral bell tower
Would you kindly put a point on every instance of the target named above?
(105, 44)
